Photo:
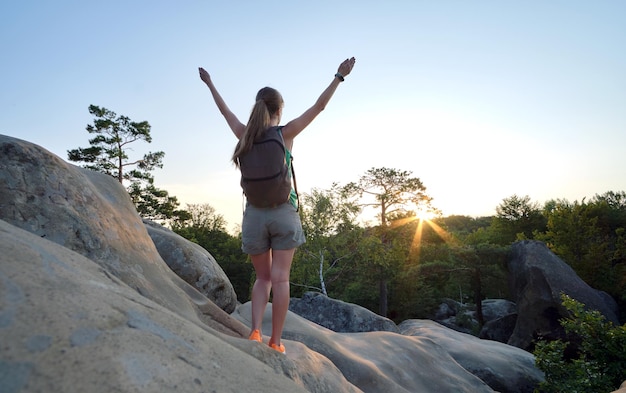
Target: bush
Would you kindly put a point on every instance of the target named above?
(598, 354)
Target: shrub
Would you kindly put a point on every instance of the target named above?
(598, 348)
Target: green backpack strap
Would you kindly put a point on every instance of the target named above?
(293, 173)
(295, 185)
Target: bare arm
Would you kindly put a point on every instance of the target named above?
(233, 122)
(294, 127)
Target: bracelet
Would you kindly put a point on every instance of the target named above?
(341, 78)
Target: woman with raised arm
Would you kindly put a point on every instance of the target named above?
(270, 235)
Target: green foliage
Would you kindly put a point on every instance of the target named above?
(589, 236)
(328, 219)
(599, 363)
(396, 195)
(482, 267)
(153, 203)
(420, 286)
(205, 227)
(108, 153)
(464, 226)
(516, 218)
(391, 192)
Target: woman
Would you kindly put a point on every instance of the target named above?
(270, 235)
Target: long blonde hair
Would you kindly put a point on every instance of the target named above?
(268, 102)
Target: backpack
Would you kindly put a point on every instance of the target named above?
(265, 177)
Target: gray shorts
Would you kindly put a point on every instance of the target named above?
(277, 228)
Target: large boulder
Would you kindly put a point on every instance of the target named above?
(90, 213)
(537, 279)
(499, 329)
(193, 264)
(339, 316)
(504, 368)
(497, 308)
(500, 318)
(68, 325)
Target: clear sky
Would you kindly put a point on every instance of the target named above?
(479, 99)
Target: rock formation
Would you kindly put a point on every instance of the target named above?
(87, 304)
(502, 367)
(499, 315)
(339, 316)
(193, 264)
(537, 279)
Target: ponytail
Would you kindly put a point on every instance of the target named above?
(268, 102)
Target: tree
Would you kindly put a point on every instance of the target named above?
(201, 216)
(462, 226)
(517, 217)
(328, 219)
(108, 153)
(395, 194)
(483, 266)
(589, 236)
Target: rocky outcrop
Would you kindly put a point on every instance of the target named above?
(377, 361)
(499, 316)
(537, 279)
(502, 367)
(193, 264)
(87, 303)
(88, 213)
(339, 316)
(499, 329)
(69, 325)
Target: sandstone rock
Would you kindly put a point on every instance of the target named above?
(497, 308)
(504, 368)
(499, 329)
(91, 214)
(98, 310)
(339, 316)
(193, 264)
(537, 279)
(446, 309)
(68, 325)
(88, 304)
(379, 361)
(500, 318)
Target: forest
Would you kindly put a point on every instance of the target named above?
(405, 265)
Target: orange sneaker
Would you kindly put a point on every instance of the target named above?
(280, 348)
(255, 336)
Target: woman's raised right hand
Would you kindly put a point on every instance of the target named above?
(204, 75)
(346, 66)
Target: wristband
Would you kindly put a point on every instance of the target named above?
(340, 77)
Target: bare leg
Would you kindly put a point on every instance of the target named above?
(262, 287)
(281, 266)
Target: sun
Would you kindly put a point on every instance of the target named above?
(424, 214)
